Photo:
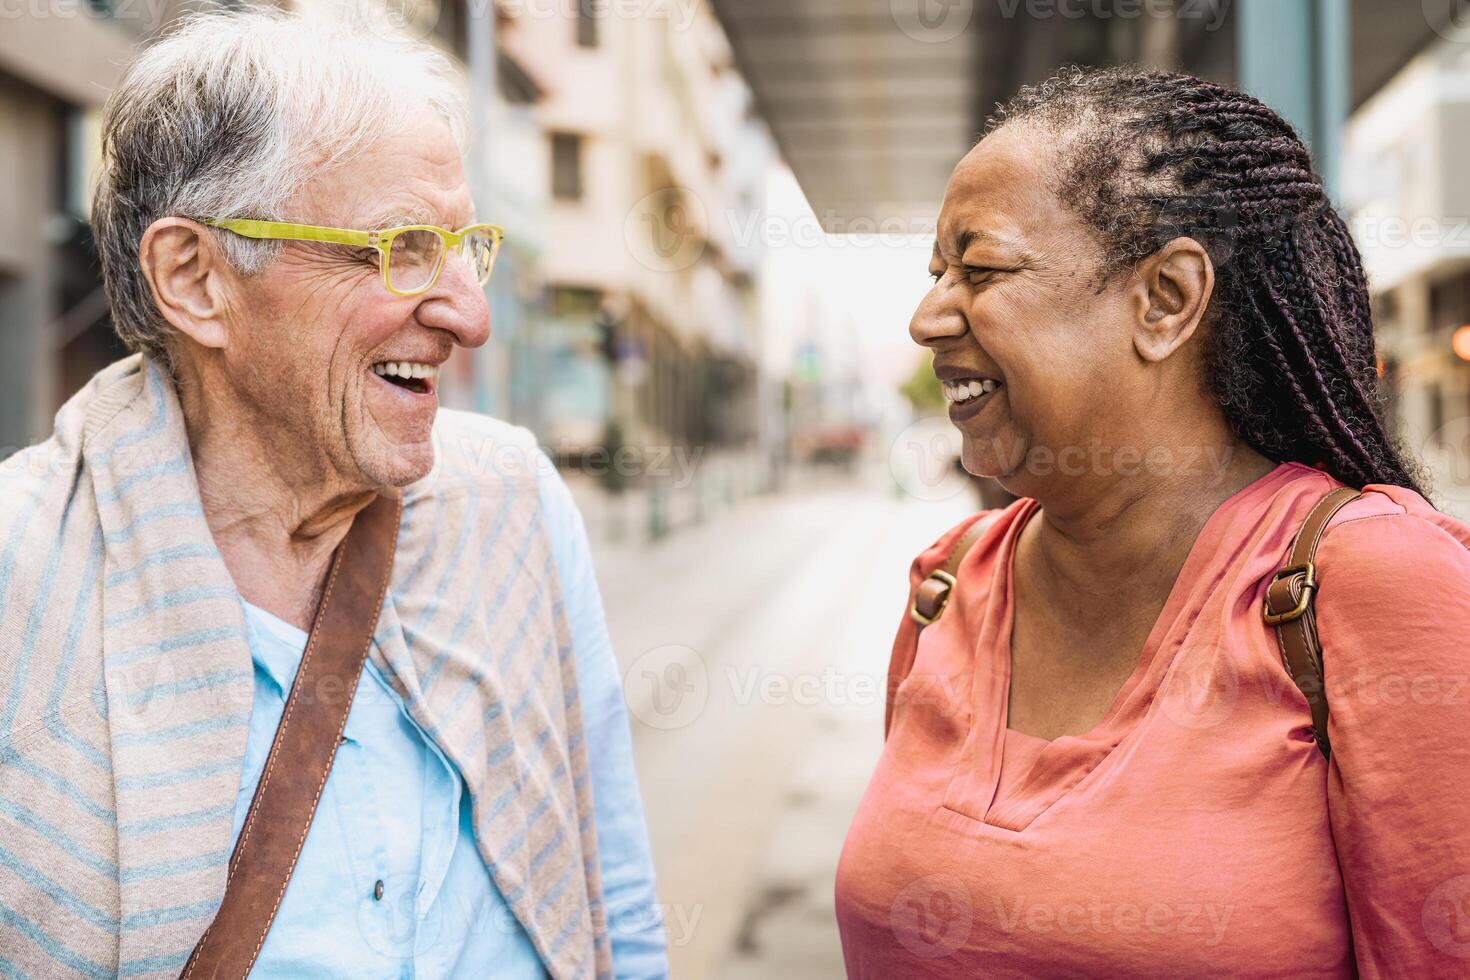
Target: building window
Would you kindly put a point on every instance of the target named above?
(1435, 398)
(1449, 303)
(575, 302)
(587, 23)
(1385, 308)
(566, 166)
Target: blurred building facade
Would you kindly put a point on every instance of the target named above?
(1410, 210)
(619, 149)
(56, 66)
(658, 167)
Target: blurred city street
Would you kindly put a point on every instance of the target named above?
(717, 221)
(754, 649)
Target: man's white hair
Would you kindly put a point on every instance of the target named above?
(230, 114)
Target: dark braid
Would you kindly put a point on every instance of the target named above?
(1149, 156)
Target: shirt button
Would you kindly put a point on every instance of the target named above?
(378, 891)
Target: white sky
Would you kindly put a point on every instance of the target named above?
(855, 292)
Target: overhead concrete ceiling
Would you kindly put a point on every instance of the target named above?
(871, 114)
(1387, 33)
(874, 101)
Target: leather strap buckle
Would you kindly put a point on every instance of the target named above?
(1308, 571)
(933, 596)
(933, 593)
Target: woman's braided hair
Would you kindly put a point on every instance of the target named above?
(1149, 156)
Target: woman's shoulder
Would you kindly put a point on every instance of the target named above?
(1381, 531)
(1396, 533)
(979, 534)
(1394, 567)
(1393, 610)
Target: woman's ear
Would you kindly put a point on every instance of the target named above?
(186, 273)
(1175, 286)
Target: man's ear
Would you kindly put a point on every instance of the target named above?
(1174, 288)
(187, 274)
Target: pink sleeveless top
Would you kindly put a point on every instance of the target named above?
(1195, 830)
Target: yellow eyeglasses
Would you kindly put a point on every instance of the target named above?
(412, 255)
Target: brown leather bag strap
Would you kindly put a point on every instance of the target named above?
(1288, 607)
(933, 593)
(305, 744)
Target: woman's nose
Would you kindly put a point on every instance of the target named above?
(938, 318)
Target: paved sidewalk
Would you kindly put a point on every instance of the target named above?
(754, 649)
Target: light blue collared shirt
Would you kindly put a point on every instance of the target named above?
(395, 811)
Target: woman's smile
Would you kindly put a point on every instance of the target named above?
(967, 390)
(967, 397)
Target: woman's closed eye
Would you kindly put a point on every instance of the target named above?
(976, 275)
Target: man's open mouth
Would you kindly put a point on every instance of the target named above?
(416, 376)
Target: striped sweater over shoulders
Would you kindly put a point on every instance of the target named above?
(126, 686)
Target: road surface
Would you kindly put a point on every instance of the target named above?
(754, 650)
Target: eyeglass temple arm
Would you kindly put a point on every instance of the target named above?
(292, 232)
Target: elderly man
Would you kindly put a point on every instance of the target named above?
(291, 251)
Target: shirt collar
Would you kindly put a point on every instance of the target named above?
(275, 645)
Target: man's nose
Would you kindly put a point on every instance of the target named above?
(938, 318)
(457, 303)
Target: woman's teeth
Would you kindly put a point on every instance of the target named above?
(959, 392)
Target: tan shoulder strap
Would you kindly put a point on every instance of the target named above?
(933, 593)
(305, 745)
(1288, 607)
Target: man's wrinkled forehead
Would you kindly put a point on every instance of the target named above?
(413, 178)
(413, 212)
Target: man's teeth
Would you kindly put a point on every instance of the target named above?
(958, 392)
(407, 369)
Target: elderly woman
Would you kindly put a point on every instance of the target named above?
(1154, 329)
(292, 251)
